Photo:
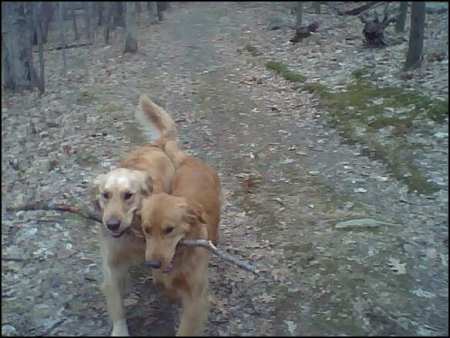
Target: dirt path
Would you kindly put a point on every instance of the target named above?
(288, 180)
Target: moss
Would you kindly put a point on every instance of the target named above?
(284, 71)
(316, 88)
(364, 113)
(108, 108)
(363, 108)
(360, 73)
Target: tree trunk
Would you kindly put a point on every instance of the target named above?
(400, 25)
(118, 13)
(160, 7)
(62, 39)
(75, 26)
(99, 8)
(316, 5)
(108, 21)
(17, 53)
(299, 15)
(37, 23)
(87, 18)
(131, 45)
(152, 12)
(415, 50)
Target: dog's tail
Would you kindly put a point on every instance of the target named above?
(152, 117)
(176, 155)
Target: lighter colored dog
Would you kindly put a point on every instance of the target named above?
(191, 212)
(119, 195)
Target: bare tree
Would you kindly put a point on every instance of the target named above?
(37, 23)
(99, 10)
(299, 15)
(17, 57)
(400, 25)
(62, 38)
(316, 5)
(415, 49)
(131, 45)
(88, 14)
(108, 21)
(153, 16)
(74, 23)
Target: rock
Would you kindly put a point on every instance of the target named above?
(440, 135)
(360, 190)
(8, 330)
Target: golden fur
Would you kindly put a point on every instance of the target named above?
(119, 195)
(191, 212)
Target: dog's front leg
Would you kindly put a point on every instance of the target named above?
(195, 313)
(113, 288)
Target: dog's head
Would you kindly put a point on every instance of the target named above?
(165, 221)
(119, 195)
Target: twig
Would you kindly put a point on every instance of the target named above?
(87, 213)
(82, 211)
(211, 247)
(67, 47)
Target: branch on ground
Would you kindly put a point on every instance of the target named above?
(86, 212)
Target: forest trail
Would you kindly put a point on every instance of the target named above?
(289, 183)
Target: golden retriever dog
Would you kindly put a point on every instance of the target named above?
(119, 195)
(192, 211)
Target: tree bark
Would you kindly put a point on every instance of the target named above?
(316, 5)
(109, 21)
(119, 10)
(400, 25)
(160, 7)
(87, 19)
(152, 12)
(299, 15)
(415, 49)
(75, 26)
(38, 27)
(99, 9)
(62, 38)
(131, 45)
(17, 59)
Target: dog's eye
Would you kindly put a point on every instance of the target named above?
(105, 195)
(147, 230)
(168, 230)
(127, 195)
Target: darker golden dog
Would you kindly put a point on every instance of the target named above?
(191, 212)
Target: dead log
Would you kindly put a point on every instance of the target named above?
(373, 30)
(361, 9)
(67, 47)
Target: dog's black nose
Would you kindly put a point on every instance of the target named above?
(113, 224)
(153, 264)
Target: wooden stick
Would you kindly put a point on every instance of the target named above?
(224, 255)
(87, 213)
(82, 211)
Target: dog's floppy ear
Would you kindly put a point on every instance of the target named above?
(146, 184)
(194, 214)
